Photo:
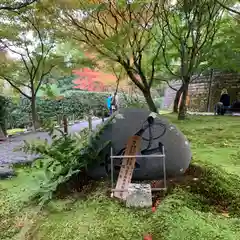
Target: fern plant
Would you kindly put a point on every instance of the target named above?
(66, 157)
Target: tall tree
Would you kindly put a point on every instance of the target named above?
(32, 54)
(32, 57)
(119, 31)
(190, 29)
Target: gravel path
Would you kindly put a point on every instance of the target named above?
(8, 155)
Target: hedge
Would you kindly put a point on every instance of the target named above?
(78, 104)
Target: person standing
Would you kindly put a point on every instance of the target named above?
(225, 100)
(223, 104)
(109, 104)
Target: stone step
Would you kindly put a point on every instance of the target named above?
(139, 195)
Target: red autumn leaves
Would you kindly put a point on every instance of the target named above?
(93, 81)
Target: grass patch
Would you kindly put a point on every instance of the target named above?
(15, 194)
(165, 112)
(214, 139)
(208, 208)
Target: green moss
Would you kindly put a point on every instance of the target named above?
(187, 213)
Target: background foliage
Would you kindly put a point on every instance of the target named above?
(78, 104)
(73, 103)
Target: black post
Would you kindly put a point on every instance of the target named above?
(65, 124)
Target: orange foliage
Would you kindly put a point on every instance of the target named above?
(93, 80)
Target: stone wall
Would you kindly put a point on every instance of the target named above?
(203, 88)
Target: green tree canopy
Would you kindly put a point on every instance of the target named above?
(33, 53)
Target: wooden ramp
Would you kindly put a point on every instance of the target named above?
(127, 167)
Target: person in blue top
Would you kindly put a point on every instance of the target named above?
(109, 104)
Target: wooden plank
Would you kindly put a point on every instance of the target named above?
(127, 167)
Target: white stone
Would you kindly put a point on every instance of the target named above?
(139, 195)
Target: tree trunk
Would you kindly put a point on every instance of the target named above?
(3, 129)
(90, 120)
(65, 124)
(3, 115)
(116, 90)
(2, 134)
(34, 113)
(183, 108)
(150, 102)
(177, 98)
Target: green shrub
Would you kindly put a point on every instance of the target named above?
(78, 103)
(137, 101)
(74, 102)
(65, 161)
